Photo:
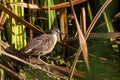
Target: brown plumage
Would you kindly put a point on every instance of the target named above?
(42, 44)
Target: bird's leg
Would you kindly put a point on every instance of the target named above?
(47, 65)
(42, 60)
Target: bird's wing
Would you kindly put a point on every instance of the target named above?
(37, 45)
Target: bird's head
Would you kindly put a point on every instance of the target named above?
(55, 31)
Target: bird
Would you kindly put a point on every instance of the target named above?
(42, 44)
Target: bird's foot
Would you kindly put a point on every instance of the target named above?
(46, 64)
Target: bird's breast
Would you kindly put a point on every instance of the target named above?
(50, 44)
